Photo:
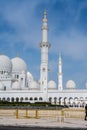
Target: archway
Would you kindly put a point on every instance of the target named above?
(21, 99)
(26, 98)
(8, 99)
(50, 99)
(55, 100)
(76, 101)
(66, 102)
(31, 99)
(35, 99)
(17, 99)
(40, 98)
(3, 99)
(60, 100)
(71, 102)
(12, 99)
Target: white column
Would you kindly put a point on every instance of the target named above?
(60, 84)
(44, 57)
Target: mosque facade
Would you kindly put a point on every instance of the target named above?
(17, 84)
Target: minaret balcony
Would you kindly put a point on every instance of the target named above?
(60, 73)
(44, 28)
(45, 20)
(45, 44)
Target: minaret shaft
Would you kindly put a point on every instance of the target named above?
(44, 56)
(44, 36)
(60, 84)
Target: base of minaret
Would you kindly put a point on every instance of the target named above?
(45, 96)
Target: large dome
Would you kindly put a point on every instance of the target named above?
(70, 84)
(18, 65)
(5, 64)
(51, 85)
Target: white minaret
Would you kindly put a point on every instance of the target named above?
(44, 56)
(60, 84)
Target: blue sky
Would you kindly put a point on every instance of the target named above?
(20, 33)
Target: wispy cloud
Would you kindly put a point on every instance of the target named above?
(20, 19)
(72, 44)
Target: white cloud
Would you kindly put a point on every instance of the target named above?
(72, 44)
(22, 20)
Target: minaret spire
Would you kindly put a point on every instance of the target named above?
(60, 84)
(44, 56)
(45, 28)
(45, 13)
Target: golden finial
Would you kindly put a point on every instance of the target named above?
(3, 53)
(59, 54)
(17, 55)
(45, 13)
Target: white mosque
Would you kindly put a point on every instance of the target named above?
(17, 84)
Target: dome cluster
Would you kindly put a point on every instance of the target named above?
(16, 68)
(15, 65)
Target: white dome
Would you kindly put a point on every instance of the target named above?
(1, 86)
(29, 75)
(34, 85)
(5, 64)
(70, 84)
(51, 85)
(18, 65)
(29, 78)
(16, 85)
(86, 85)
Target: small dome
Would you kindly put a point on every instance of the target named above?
(5, 64)
(18, 65)
(29, 79)
(86, 85)
(34, 85)
(1, 86)
(51, 85)
(16, 85)
(29, 75)
(70, 84)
